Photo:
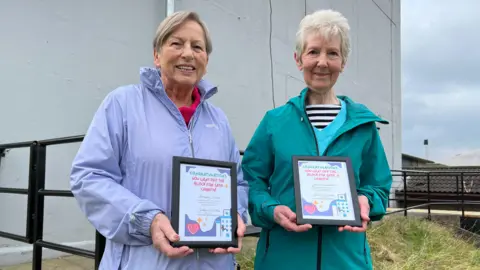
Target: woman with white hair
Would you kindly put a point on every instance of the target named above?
(317, 122)
(122, 174)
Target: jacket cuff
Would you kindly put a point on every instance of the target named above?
(268, 208)
(362, 192)
(142, 222)
(243, 214)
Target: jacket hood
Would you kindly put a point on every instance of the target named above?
(150, 78)
(355, 111)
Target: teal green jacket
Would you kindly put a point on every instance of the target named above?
(267, 166)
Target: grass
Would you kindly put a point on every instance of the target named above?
(412, 243)
(399, 243)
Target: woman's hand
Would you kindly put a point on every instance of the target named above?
(162, 234)
(288, 219)
(240, 232)
(364, 212)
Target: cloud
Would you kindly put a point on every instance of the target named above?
(440, 42)
(440, 80)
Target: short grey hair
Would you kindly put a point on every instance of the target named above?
(327, 23)
(172, 22)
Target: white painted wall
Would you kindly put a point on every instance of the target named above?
(59, 59)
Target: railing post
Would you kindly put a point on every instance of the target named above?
(2, 154)
(429, 217)
(39, 203)
(32, 192)
(405, 205)
(463, 195)
(457, 193)
(100, 242)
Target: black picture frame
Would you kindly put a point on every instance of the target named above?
(176, 200)
(356, 222)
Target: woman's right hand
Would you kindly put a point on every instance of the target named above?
(288, 219)
(162, 234)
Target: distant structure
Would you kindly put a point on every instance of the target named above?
(447, 182)
(409, 161)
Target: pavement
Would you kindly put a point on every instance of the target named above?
(80, 263)
(63, 263)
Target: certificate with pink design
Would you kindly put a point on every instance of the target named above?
(204, 202)
(325, 191)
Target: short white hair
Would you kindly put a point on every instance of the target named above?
(327, 23)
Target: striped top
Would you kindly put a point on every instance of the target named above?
(321, 115)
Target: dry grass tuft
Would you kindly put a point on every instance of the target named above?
(412, 243)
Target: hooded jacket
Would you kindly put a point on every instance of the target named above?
(122, 174)
(267, 166)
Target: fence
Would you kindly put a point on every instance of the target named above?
(427, 192)
(36, 194)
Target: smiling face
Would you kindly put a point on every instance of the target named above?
(183, 58)
(321, 62)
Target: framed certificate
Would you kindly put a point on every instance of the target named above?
(204, 202)
(325, 191)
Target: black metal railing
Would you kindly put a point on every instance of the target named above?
(423, 196)
(28, 236)
(36, 194)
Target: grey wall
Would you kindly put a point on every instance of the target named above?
(58, 59)
(250, 37)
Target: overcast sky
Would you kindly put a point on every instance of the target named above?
(441, 77)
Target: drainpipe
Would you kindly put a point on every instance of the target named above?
(170, 7)
(2, 154)
(425, 143)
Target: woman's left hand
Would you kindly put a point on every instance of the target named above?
(240, 232)
(364, 215)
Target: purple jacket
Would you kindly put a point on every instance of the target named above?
(121, 176)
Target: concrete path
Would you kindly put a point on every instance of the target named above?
(64, 263)
(81, 263)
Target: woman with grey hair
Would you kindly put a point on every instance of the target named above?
(122, 174)
(317, 122)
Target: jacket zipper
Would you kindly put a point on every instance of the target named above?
(190, 140)
(320, 231)
(319, 240)
(342, 131)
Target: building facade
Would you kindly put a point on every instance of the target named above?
(409, 161)
(58, 60)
